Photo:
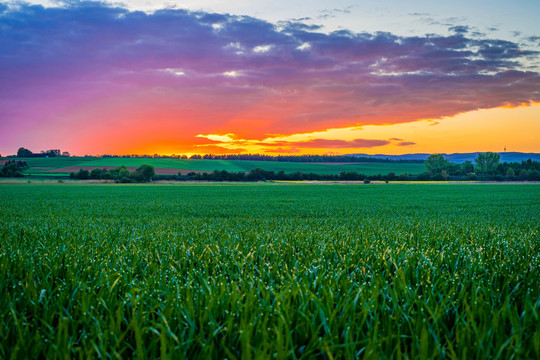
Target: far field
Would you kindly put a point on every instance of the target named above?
(269, 271)
(63, 166)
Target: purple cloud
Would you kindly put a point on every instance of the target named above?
(406, 143)
(91, 66)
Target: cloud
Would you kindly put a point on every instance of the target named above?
(459, 29)
(288, 146)
(406, 143)
(281, 150)
(335, 144)
(331, 13)
(214, 149)
(534, 39)
(226, 138)
(89, 68)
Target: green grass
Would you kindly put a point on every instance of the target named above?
(54, 162)
(41, 166)
(262, 271)
(229, 165)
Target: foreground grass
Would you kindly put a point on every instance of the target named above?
(257, 271)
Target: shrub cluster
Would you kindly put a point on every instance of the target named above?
(13, 168)
(259, 174)
(144, 173)
(262, 175)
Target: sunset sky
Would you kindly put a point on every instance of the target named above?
(270, 77)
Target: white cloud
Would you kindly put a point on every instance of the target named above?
(304, 46)
(176, 72)
(262, 48)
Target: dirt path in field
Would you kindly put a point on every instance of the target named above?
(159, 171)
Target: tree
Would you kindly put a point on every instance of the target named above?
(444, 175)
(83, 174)
(123, 172)
(510, 173)
(487, 162)
(22, 152)
(435, 163)
(13, 169)
(53, 152)
(467, 167)
(145, 173)
(97, 173)
(257, 174)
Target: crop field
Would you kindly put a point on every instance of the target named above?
(269, 271)
(54, 166)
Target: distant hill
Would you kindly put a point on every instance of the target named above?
(457, 158)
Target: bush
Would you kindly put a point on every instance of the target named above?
(124, 180)
(144, 173)
(13, 169)
(96, 173)
(83, 174)
(533, 175)
(423, 177)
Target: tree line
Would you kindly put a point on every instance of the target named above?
(25, 153)
(488, 167)
(121, 174)
(436, 170)
(301, 158)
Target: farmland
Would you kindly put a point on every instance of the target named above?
(56, 166)
(269, 270)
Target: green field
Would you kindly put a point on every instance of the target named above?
(229, 165)
(55, 162)
(269, 271)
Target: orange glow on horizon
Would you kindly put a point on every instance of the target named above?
(482, 130)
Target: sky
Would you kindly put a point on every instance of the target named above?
(269, 77)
